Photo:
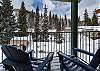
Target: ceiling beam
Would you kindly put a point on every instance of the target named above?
(65, 0)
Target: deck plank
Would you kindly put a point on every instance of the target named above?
(1, 67)
(55, 65)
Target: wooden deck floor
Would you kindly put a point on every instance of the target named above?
(55, 65)
(1, 68)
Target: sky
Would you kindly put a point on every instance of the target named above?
(59, 8)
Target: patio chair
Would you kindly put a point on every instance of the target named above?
(72, 63)
(18, 60)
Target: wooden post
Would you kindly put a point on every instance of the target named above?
(74, 25)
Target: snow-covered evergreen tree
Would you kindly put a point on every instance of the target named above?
(94, 19)
(22, 21)
(45, 21)
(56, 21)
(41, 20)
(65, 21)
(45, 26)
(1, 21)
(41, 16)
(8, 21)
(37, 28)
(58, 27)
(87, 20)
(58, 35)
(53, 21)
(37, 25)
(31, 20)
(69, 21)
(63, 24)
(79, 23)
(50, 21)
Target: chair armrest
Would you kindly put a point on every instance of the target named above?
(46, 62)
(42, 65)
(49, 56)
(9, 62)
(29, 52)
(83, 51)
(81, 64)
(40, 59)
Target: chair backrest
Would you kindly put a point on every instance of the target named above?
(96, 59)
(20, 59)
(50, 55)
(14, 54)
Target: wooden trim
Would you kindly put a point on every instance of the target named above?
(97, 11)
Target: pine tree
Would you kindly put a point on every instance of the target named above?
(87, 20)
(79, 23)
(41, 16)
(1, 21)
(22, 21)
(85, 17)
(37, 29)
(37, 25)
(31, 20)
(56, 21)
(8, 20)
(45, 21)
(45, 24)
(59, 25)
(69, 21)
(41, 20)
(53, 21)
(65, 21)
(94, 20)
(50, 21)
(58, 35)
(63, 25)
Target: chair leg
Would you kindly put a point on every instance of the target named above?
(49, 66)
(61, 67)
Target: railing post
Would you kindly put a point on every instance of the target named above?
(74, 25)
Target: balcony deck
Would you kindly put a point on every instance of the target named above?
(52, 45)
(55, 65)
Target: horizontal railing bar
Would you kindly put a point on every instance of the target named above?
(83, 51)
(55, 43)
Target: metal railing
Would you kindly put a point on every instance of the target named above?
(88, 41)
(43, 43)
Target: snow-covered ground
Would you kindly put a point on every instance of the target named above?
(44, 47)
